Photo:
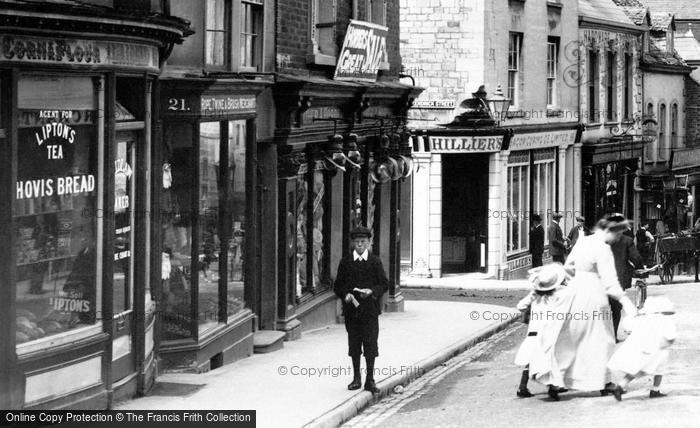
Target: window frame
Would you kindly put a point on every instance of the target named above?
(629, 83)
(234, 20)
(518, 215)
(552, 71)
(611, 86)
(372, 6)
(515, 47)
(323, 54)
(674, 126)
(663, 143)
(593, 85)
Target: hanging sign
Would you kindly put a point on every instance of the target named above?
(363, 52)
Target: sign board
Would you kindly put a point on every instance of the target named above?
(48, 50)
(210, 105)
(364, 50)
(685, 158)
(435, 104)
(468, 144)
(542, 139)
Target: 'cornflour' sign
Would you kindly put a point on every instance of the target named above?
(364, 50)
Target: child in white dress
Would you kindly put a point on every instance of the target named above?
(541, 303)
(645, 351)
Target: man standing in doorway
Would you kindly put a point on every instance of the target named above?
(536, 240)
(557, 248)
(360, 284)
(627, 259)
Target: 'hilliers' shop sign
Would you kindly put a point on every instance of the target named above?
(80, 52)
(364, 50)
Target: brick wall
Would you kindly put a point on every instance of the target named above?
(692, 113)
(294, 43)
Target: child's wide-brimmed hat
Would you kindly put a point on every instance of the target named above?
(654, 305)
(548, 277)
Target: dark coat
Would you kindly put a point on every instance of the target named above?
(556, 240)
(573, 235)
(361, 274)
(537, 240)
(625, 252)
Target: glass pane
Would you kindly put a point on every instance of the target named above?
(55, 215)
(124, 224)
(525, 191)
(236, 245)
(176, 221)
(215, 48)
(356, 210)
(405, 219)
(371, 206)
(210, 192)
(302, 202)
(318, 207)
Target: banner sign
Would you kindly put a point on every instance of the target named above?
(542, 139)
(364, 50)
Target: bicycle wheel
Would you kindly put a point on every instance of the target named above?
(640, 294)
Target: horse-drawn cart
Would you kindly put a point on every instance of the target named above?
(673, 249)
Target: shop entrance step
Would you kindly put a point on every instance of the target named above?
(267, 341)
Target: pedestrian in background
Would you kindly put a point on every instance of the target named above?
(540, 303)
(536, 240)
(578, 231)
(360, 284)
(627, 259)
(557, 247)
(645, 352)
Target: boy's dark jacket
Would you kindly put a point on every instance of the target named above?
(361, 274)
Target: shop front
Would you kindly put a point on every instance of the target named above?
(77, 308)
(609, 178)
(340, 164)
(208, 234)
(483, 187)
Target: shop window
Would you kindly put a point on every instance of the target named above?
(552, 70)
(405, 219)
(56, 207)
(518, 205)
(124, 224)
(544, 185)
(312, 263)
(218, 250)
(176, 223)
(236, 181)
(514, 60)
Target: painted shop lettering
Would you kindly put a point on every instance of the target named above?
(55, 129)
(70, 185)
(58, 50)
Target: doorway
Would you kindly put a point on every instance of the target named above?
(464, 212)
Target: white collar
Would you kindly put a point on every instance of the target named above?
(356, 256)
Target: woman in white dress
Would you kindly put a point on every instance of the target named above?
(577, 348)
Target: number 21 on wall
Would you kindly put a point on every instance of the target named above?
(177, 104)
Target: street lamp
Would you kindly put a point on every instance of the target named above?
(498, 104)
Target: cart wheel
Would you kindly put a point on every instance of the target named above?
(640, 294)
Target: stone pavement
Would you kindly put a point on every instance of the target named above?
(305, 382)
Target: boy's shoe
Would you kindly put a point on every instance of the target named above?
(553, 392)
(355, 384)
(524, 393)
(656, 394)
(609, 389)
(371, 386)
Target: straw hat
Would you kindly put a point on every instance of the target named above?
(654, 305)
(548, 277)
